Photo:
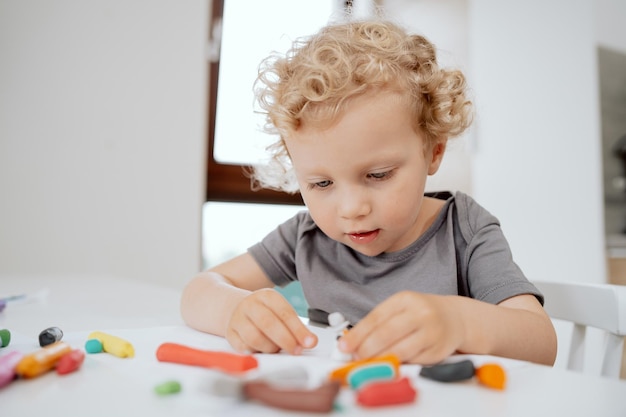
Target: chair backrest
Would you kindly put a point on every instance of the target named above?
(601, 306)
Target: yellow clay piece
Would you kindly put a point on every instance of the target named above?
(114, 345)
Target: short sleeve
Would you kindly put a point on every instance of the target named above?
(275, 254)
(492, 274)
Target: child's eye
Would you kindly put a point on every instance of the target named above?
(321, 184)
(379, 175)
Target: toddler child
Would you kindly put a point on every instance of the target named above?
(362, 113)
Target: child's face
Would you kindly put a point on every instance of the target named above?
(363, 177)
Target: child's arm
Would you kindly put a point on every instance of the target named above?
(425, 329)
(235, 300)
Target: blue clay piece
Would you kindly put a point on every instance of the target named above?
(93, 346)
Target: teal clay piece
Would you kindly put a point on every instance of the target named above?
(93, 346)
(368, 373)
(168, 388)
(5, 337)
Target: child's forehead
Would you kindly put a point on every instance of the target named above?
(326, 114)
(373, 121)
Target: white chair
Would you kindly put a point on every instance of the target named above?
(601, 306)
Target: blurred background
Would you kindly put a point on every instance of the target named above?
(107, 130)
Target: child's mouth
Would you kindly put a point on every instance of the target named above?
(364, 237)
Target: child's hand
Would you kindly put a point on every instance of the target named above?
(418, 328)
(265, 322)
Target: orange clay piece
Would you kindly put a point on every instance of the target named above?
(341, 374)
(42, 360)
(225, 361)
(491, 375)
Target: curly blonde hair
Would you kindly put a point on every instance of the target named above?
(320, 74)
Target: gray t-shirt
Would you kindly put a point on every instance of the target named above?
(463, 252)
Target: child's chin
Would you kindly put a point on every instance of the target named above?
(366, 251)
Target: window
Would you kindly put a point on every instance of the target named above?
(243, 32)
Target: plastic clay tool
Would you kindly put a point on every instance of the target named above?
(70, 362)
(338, 323)
(42, 360)
(320, 399)
(49, 336)
(374, 394)
(225, 361)
(114, 345)
(8, 363)
(341, 374)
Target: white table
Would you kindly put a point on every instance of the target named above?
(147, 316)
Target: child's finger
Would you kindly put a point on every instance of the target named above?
(306, 338)
(249, 339)
(283, 328)
(377, 319)
(270, 324)
(286, 329)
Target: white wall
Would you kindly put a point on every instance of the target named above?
(609, 27)
(445, 24)
(102, 137)
(533, 157)
(537, 165)
(102, 130)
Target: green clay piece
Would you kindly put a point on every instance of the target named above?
(5, 337)
(167, 388)
(93, 346)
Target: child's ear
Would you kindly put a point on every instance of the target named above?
(437, 156)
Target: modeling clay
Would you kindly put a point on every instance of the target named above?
(340, 374)
(70, 362)
(399, 391)
(114, 345)
(449, 372)
(93, 346)
(320, 399)
(228, 362)
(232, 385)
(491, 375)
(5, 337)
(8, 363)
(49, 336)
(41, 361)
(167, 388)
(361, 375)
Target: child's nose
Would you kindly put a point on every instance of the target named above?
(353, 203)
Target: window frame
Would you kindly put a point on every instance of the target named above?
(230, 182)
